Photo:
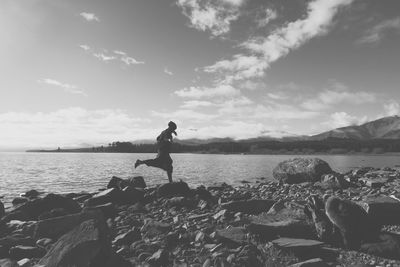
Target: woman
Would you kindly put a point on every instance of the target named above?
(163, 159)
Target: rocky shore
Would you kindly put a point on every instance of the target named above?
(309, 216)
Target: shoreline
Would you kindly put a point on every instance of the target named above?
(174, 224)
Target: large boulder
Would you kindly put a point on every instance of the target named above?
(174, 189)
(301, 170)
(382, 209)
(86, 245)
(55, 227)
(119, 183)
(30, 211)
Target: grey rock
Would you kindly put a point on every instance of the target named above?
(253, 206)
(382, 209)
(232, 236)
(174, 189)
(21, 252)
(301, 170)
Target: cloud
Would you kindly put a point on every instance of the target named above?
(338, 94)
(380, 31)
(69, 88)
(222, 90)
(265, 50)
(130, 61)
(104, 57)
(267, 16)
(278, 96)
(71, 127)
(342, 119)
(391, 108)
(191, 104)
(84, 47)
(167, 71)
(209, 15)
(185, 115)
(89, 16)
(116, 55)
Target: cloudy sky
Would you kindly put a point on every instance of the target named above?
(94, 71)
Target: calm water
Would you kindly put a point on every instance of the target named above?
(76, 172)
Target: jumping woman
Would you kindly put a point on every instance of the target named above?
(163, 159)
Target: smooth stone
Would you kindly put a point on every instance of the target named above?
(232, 236)
(382, 210)
(297, 243)
(174, 189)
(317, 262)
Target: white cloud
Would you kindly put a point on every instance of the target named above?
(342, 119)
(209, 15)
(335, 95)
(223, 90)
(267, 16)
(70, 127)
(379, 31)
(167, 71)
(265, 50)
(117, 55)
(69, 88)
(90, 16)
(278, 96)
(191, 104)
(392, 108)
(185, 115)
(130, 61)
(104, 57)
(84, 47)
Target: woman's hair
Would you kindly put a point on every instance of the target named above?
(172, 125)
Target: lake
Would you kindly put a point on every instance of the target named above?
(76, 172)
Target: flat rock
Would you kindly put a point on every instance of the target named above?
(297, 243)
(8, 263)
(174, 189)
(11, 241)
(317, 262)
(31, 210)
(21, 252)
(253, 206)
(112, 195)
(268, 228)
(233, 235)
(382, 209)
(301, 170)
(55, 227)
(107, 209)
(85, 245)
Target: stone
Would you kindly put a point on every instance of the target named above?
(374, 182)
(128, 237)
(8, 263)
(44, 242)
(253, 206)
(11, 241)
(159, 258)
(181, 202)
(297, 243)
(232, 236)
(152, 228)
(112, 195)
(301, 170)
(387, 246)
(52, 214)
(132, 195)
(55, 227)
(21, 252)
(117, 183)
(85, 245)
(137, 182)
(2, 210)
(333, 181)
(317, 262)
(174, 189)
(352, 220)
(31, 194)
(108, 209)
(268, 228)
(25, 262)
(19, 200)
(382, 209)
(31, 210)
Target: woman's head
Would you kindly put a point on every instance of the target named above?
(172, 126)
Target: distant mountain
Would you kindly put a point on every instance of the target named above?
(197, 141)
(384, 128)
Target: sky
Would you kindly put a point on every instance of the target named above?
(90, 72)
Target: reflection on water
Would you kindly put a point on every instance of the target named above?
(75, 172)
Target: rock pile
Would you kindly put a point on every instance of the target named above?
(268, 223)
